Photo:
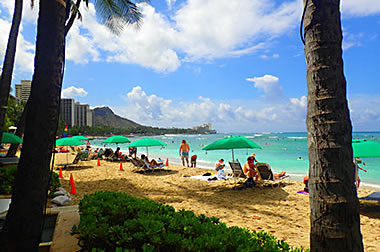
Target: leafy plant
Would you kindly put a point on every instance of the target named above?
(8, 175)
(7, 178)
(112, 221)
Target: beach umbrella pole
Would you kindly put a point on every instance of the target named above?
(233, 158)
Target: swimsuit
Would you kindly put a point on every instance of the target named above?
(185, 154)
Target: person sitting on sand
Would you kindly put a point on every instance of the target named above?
(152, 163)
(249, 170)
(306, 183)
(279, 175)
(219, 165)
(193, 161)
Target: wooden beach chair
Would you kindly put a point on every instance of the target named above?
(266, 174)
(237, 171)
(75, 162)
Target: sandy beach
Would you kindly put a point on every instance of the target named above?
(280, 211)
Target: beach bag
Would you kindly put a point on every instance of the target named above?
(250, 183)
(221, 174)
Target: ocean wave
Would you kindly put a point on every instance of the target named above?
(297, 137)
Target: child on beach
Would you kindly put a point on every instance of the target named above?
(193, 161)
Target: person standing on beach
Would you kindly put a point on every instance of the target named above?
(184, 152)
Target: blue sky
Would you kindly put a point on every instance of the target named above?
(239, 65)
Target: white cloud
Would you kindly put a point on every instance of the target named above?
(360, 8)
(72, 91)
(268, 84)
(24, 50)
(157, 111)
(301, 102)
(170, 3)
(216, 28)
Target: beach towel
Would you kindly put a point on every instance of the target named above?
(303, 192)
(205, 178)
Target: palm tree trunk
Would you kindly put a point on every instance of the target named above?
(23, 226)
(335, 219)
(6, 76)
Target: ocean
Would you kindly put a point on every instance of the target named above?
(283, 151)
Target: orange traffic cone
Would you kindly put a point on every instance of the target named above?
(121, 166)
(71, 182)
(167, 161)
(98, 162)
(60, 173)
(73, 190)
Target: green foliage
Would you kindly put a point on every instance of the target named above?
(8, 175)
(55, 183)
(112, 221)
(7, 178)
(13, 113)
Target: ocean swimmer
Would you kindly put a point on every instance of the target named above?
(184, 149)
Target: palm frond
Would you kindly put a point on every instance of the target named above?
(115, 14)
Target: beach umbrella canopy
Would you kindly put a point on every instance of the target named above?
(147, 142)
(117, 139)
(80, 137)
(231, 143)
(365, 148)
(68, 141)
(11, 138)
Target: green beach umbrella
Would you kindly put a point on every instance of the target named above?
(365, 148)
(11, 138)
(80, 137)
(231, 143)
(147, 142)
(68, 141)
(117, 139)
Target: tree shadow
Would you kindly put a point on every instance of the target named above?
(370, 211)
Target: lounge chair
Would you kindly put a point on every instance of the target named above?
(266, 174)
(237, 171)
(138, 163)
(75, 161)
(371, 200)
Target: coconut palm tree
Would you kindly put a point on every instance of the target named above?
(335, 219)
(6, 76)
(23, 226)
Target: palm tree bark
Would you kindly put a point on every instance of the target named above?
(335, 218)
(23, 226)
(6, 76)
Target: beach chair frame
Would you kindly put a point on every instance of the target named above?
(266, 175)
(237, 170)
(75, 162)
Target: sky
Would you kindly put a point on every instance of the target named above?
(238, 65)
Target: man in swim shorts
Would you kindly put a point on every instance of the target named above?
(184, 152)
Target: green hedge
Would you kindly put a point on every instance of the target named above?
(8, 175)
(111, 221)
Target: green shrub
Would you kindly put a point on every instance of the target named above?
(7, 178)
(55, 183)
(8, 175)
(112, 221)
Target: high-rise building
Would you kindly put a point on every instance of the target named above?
(75, 114)
(23, 90)
(67, 111)
(83, 115)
